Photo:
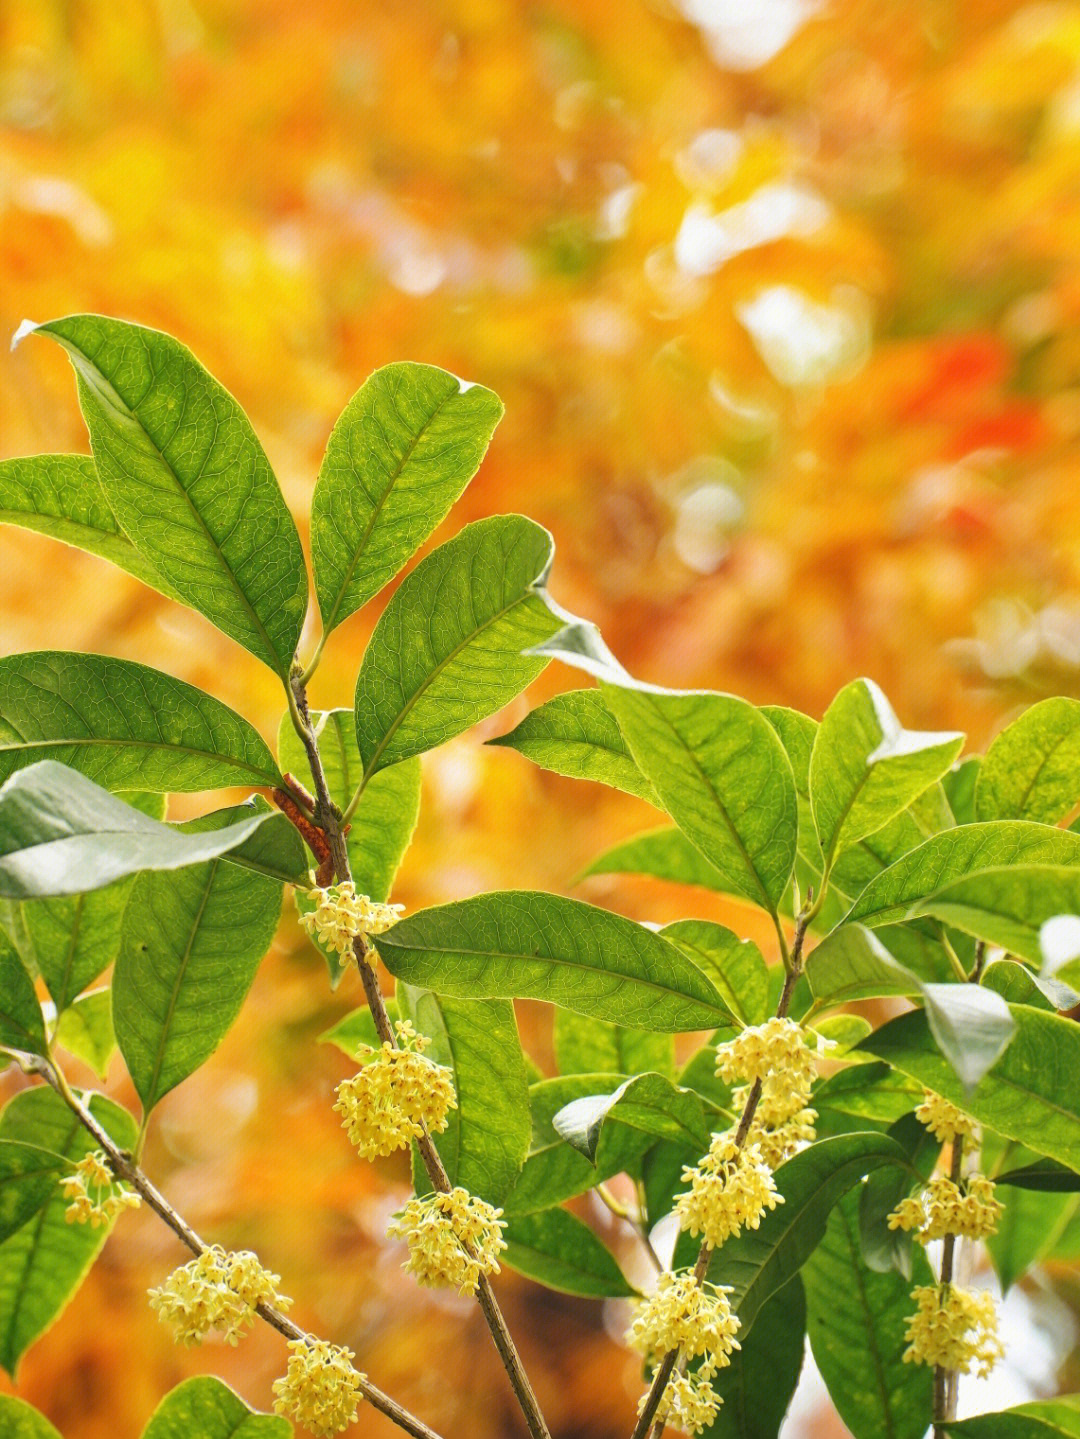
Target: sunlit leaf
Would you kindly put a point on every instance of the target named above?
(562, 1253)
(1032, 770)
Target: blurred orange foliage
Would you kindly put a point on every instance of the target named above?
(780, 298)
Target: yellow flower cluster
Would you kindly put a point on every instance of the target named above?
(953, 1329)
(395, 1094)
(776, 1053)
(340, 914)
(95, 1193)
(321, 1389)
(684, 1314)
(453, 1239)
(944, 1121)
(777, 1138)
(730, 1189)
(215, 1291)
(968, 1210)
(690, 1403)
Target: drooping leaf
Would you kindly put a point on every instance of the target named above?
(1044, 1175)
(560, 1252)
(522, 944)
(19, 1420)
(487, 1136)
(447, 650)
(402, 451)
(883, 1248)
(22, 1025)
(584, 1045)
(663, 853)
(1045, 1419)
(124, 725)
(1032, 770)
(62, 834)
(188, 481)
(575, 734)
(85, 1029)
(972, 1027)
(61, 496)
(997, 881)
(856, 1318)
(205, 1408)
(75, 937)
(44, 1261)
(648, 1102)
(1028, 1096)
(735, 966)
(1016, 983)
(757, 1386)
(189, 949)
(866, 767)
(863, 1097)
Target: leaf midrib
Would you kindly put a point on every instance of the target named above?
(135, 743)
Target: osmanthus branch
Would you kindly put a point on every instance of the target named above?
(793, 966)
(329, 819)
(124, 1167)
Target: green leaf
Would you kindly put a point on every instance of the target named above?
(553, 1171)
(842, 1032)
(734, 965)
(866, 767)
(851, 964)
(858, 865)
(959, 786)
(62, 834)
(1032, 770)
(45, 1261)
(402, 451)
(863, 1097)
(85, 1030)
(797, 733)
(562, 1253)
(190, 946)
(447, 650)
(75, 938)
(1016, 983)
(527, 945)
(19, 1420)
(124, 725)
(188, 482)
(575, 734)
(856, 1319)
(757, 1386)
(1044, 1175)
(205, 1408)
(971, 1026)
(723, 776)
(61, 496)
(1029, 1095)
(997, 881)
(487, 1136)
(1030, 1224)
(648, 1102)
(1041, 1420)
(584, 1045)
(22, 1025)
(884, 1249)
(275, 849)
(663, 853)
(356, 1030)
(28, 1174)
(758, 1262)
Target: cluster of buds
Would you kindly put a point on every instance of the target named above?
(776, 1055)
(953, 1329)
(453, 1238)
(215, 1291)
(341, 915)
(395, 1095)
(967, 1210)
(690, 1403)
(944, 1121)
(320, 1389)
(730, 1189)
(687, 1315)
(96, 1195)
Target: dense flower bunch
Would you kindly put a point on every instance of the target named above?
(778, 1138)
(776, 1054)
(216, 1290)
(690, 1403)
(395, 1095)
(968, 1210)
(340, 915)
(95, 1193)
(730, 1189)
(689, 1316)
(453, 1239)
(321, 1389)
(944, 1121)
(953, 1329)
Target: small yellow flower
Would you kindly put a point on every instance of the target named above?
(321, 1389)
(690, 1403)
(944, 1121)
(776, 1053)
(968, 1210)
(953, 1329)
(730, 1189)
(215, 1291)
(96, 1195)
(686, 1315)
(453, 1239)
(395, 1094)
(776, 1129)
(340, 915)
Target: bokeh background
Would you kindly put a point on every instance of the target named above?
(782, 297)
